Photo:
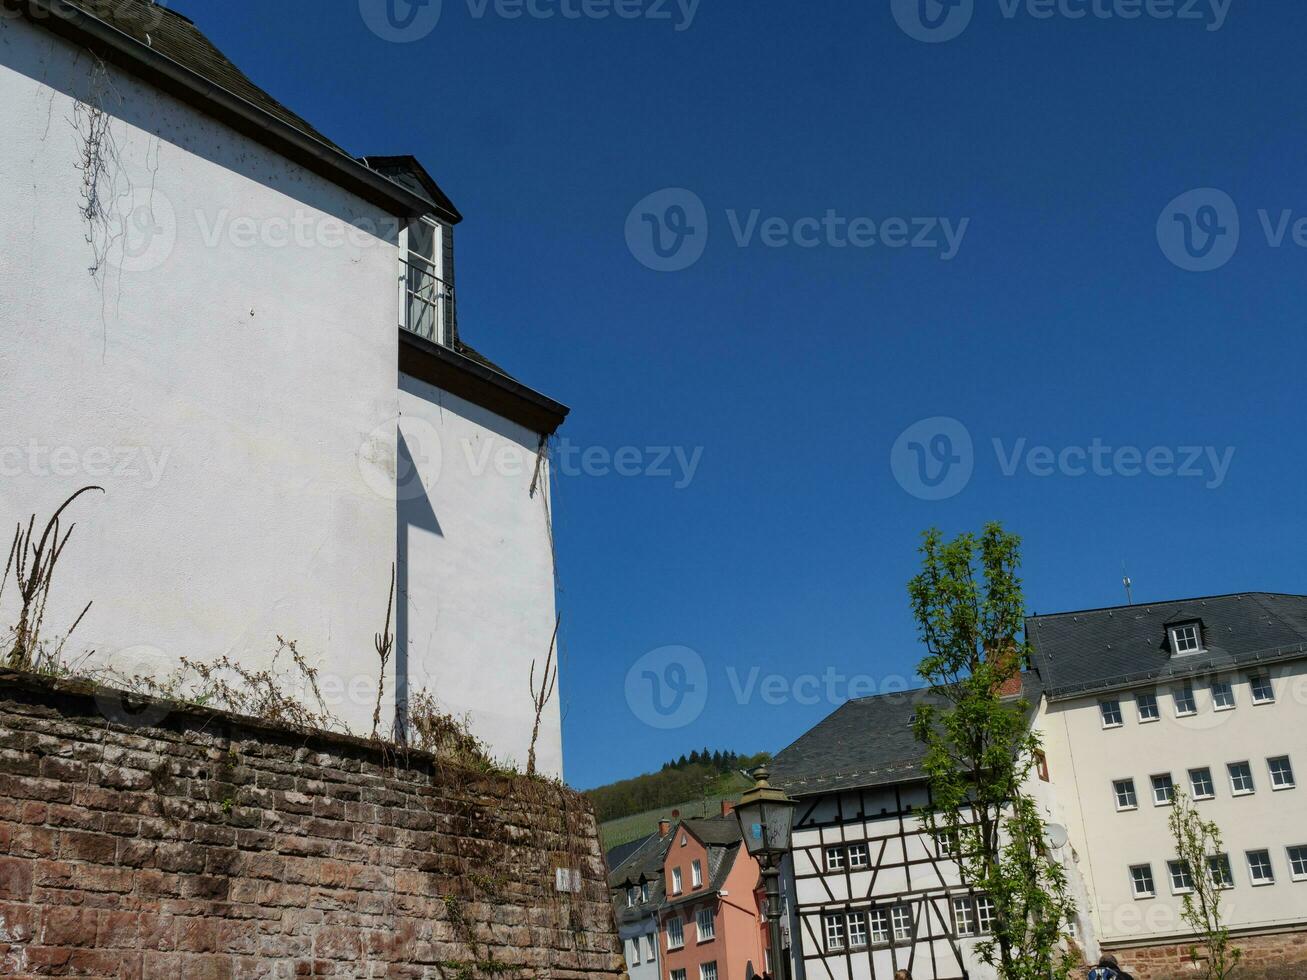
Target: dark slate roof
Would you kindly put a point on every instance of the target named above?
(618, 855)
(645, 863)
(866, 742)
(1092, 650)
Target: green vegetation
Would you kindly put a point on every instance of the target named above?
(696, 777)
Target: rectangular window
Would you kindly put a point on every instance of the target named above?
(1141, 880)
(1185, 703)
(633, 951)
(705, 923)
(429, 306)
(834, 858)
(696, 874)
(1218, 869)
(1125, 794)
(901, 916)
(1259, 868)
(1041, 765)
(879, 926)
(650, 948)
(964, 915)
(1241, 779)
(1298, 862)
(1163, 790)
(858, 856)
(835, 932)
(1182, 880)
(1263, 693)
(1147, 705)
(644, 892)
(708, 971)
(1200, 781)
(1222, 695)
(1281, 772)
(676, 881)
(1111, 711)
(631, 894)
(985, 914)
(857, 931)
(675, 933)
(678, 975)
(1185, 639)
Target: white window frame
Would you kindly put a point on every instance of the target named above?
(897, 914)
(1186, 702)
(1186, 639)
(878, 926)
(678, 881)
(630, 896)
(1160, 781)
(859, 857)
(986, 913)
(696, 873)
(856, 933)
(1254, 863)
(1244, 769)
(834, 933)
(1285, 770)
(964, 917)
(1220, 863)
(675, 933)
(1263, 691)
(1125, 788)
(708, 971)
(1109, 712)
(1211, 783)
(705, 935)
(679, 974)
(1137, 880)
(835, 859)
(644, 891)
(1297, 854)
(1177, 872)
(650, 947)
(1220, 691)
(1148, 709)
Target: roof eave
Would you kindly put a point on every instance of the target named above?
(86, 30)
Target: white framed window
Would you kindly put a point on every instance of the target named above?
(858, 931)
(946, 843)
(632, 894)
(633, 951)
(696, 874)
(644, 891)
(706, 925)
(1298, 862)
(1182, 879)
(1263, 692)
(684, 840)
(1163, 789)
(1200, 782)
(1281, 772)
(858, 857)
(901, 919)
(650, 948)
(879, 926)
(964, 916)
(1111, 713)
(1259, 868)
(1222, 695)
(1241, 779)
(834, 859)
(675, 932)
(1185, 702)
(708, 971)
(834, 932)
(428, 307)
(1185, 639)
(985, 914)
(677, 883)
(1125, 794)
(678, 975)
(1219, 871)
(1147, 706)
(1141, 881)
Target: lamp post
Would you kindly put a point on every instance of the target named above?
(766, 818)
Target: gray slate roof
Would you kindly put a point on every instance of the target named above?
(644, 864)
(1093, 650)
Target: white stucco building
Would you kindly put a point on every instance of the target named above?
(248, 337)
(1208, 695)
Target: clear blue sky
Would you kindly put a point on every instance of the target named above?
(1059, 320)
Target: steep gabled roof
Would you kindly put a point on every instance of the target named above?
(1092, 650)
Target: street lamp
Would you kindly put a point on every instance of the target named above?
(766, 818)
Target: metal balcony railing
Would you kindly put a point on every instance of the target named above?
(429, 309)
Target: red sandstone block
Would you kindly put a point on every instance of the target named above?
(93, 848)
(93, 878)
(15, 879)
(157, 932)
(17, 923)
(338, 943)
(69, 926)
(119, 930)
(197, 935)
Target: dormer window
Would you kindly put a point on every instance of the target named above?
(1186, 638)
(428, 299)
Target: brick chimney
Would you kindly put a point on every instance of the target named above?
(728, 807)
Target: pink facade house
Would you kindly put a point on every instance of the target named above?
(712, 925)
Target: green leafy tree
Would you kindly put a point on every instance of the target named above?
(1198, 845)
(981, 750)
